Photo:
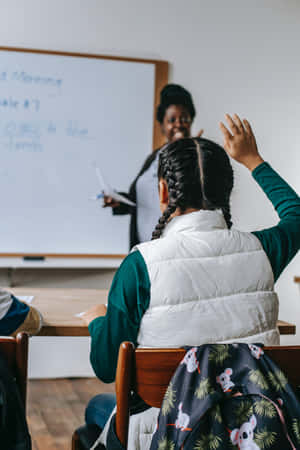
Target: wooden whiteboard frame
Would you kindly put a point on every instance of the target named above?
(161, 79)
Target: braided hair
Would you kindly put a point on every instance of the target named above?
(174, 94)
(199, 175)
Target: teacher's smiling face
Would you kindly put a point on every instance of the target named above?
(176, 123)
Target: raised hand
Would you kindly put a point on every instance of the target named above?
(239, 142)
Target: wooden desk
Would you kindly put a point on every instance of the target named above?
(286, 327)
(59, 306)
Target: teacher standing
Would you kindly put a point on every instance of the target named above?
(175, 113)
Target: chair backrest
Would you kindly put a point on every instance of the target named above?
(149, 371)
(15, 351)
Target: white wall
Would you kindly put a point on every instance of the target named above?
(234, 56)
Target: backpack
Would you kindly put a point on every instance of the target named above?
(14, 434)
(228, 396)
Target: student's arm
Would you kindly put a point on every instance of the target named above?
(281, 242)
(16, 316)
(127, 302)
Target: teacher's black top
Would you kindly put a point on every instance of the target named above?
(131, 195)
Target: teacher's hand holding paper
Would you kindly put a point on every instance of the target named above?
(110, 196)
(110, 201)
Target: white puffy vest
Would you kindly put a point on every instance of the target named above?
(208, 284)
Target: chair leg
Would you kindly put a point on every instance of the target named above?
(76, 445)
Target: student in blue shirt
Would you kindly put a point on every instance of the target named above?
(17, 316)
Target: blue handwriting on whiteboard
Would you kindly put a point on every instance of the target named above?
(73, 129)
(9, 102)
(39, 80)
(35, 129)
(51, 128)
(33, 104)
(20, 129)
(27, 104)
(3, 76)
(29, 146)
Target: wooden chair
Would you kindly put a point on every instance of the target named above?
(149, 371)
(15, 351)
(76, 444)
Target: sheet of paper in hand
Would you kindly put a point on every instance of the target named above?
(107, 190)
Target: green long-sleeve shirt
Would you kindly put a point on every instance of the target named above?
(129, 294)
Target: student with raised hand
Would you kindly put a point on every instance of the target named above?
(199, 280)
(16, 316)
(175, 114)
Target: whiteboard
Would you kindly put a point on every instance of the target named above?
(60, 116)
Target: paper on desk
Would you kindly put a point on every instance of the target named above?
(26, 298)
(109, 191)
(83, 312)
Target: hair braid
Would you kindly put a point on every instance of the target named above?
(163, 221)
(173, 198)
(227, 215)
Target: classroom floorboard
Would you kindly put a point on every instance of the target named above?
(55, 408)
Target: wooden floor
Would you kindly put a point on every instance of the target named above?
(56, 407)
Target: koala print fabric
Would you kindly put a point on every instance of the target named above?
(227, 396)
